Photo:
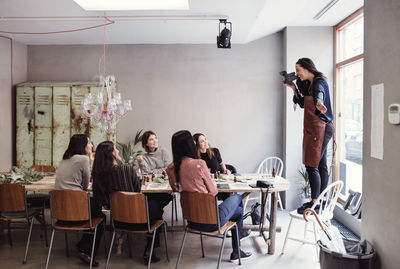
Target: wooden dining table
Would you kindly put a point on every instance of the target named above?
(225, 184)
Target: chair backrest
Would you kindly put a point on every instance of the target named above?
(327, 200)
(70, 205)
(129, 207)
(12, 197)
(270, 163)
(199, 207)
(231, 168)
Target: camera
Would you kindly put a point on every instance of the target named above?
(288, 78)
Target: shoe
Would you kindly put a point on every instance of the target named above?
(146, 254)
(244, 233)
(301, 209)
(243, 255)
(86, 259)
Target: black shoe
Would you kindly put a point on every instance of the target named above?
(243, 255)
(244, 233)
(86, 259)
(154, 257)
(301, 209)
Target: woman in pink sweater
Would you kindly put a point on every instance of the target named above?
(188, 173)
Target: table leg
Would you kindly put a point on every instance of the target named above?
(272, 224)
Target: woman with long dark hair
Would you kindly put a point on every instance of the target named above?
(109, 177)
(312, 94)
(188, 173)
(210, 155)
(73, 173)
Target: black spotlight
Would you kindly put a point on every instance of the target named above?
(224, 38)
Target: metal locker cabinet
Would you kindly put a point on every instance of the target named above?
(79, 123)
(25, 126)
(61, 121)
(43, 125)
(96, 136)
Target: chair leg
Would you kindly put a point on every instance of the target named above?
(176, 209)
(280, 201)
(128, 238)
(93, 244)
(104, 239)
(151, 248)
(165, 238)
(315, 238)
(172, 210)
(222, 248)
(245, 203)
(51, 244)
(287, 234)
(66, 243)
(9, 232)
(305, 231)
(181, 250)
(110, 250)
(202, 246)
(29, 239)
(237, 235)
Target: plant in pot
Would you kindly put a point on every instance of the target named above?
(127, 152)
(304, 188)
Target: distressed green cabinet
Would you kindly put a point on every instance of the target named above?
(47, 115)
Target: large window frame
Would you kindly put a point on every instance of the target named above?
(337, 66)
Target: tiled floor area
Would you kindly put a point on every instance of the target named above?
(296, 255)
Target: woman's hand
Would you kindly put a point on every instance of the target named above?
(227, 172)
(139, 159)
(321, 107)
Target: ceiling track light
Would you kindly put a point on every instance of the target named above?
(325, 9)
(224, 36)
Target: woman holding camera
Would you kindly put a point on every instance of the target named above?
(312, 94)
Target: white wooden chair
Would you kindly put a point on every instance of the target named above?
(326, 203)
(266, 167)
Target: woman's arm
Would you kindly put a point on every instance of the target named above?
(207, 179)
(171, 177)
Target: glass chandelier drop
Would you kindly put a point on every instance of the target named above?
(106, 107)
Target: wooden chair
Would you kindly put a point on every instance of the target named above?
(202, 208)
(132, 208)
(70, 211)
(325, 203)
(13, 206)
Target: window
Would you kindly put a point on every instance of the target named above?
(349, 100)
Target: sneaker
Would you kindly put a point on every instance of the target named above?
(301, 209)
(244, 233)
(146, 254)
(243, 255)
(86, 259)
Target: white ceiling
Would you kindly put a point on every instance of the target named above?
(251, 19)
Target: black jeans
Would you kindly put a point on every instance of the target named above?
(319, 176)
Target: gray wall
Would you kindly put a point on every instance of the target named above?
(233, 96)
(20, 60)
(381, 184)
(315, 43)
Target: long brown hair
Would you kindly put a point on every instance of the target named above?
(309, 65)
(209, 151)
(182, 146)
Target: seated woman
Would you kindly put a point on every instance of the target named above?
(188, 173)
(211, 156)
(156, 159)
(109, 177)
(73, 173)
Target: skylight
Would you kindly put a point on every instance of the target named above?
(133, 4)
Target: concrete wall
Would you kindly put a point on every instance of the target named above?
(381, 184)
(233, 96)
(19, 72)
(315, 43)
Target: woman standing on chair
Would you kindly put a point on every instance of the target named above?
(73, 173)
(312, 94)
(211, 156)
(109, 177)
(188, 173)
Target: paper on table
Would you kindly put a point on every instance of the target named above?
(377, 120)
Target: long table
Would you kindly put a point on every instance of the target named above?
(241, 185)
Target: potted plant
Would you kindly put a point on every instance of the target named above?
(128, 155)
(304, 188)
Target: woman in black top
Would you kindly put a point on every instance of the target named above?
(211, 156)
(312, 94)
(109, 177)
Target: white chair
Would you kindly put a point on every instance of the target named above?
(326, 203)
(266, 167)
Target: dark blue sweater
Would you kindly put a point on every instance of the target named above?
(320, 91)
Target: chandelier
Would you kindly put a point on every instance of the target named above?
(106, 107)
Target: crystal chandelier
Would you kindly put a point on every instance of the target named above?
(105, 108)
